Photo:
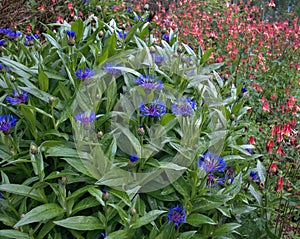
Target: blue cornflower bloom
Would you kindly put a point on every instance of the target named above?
(87, 73)
(86, 118)
(166, 37)
(2, 42)
(157, 108)
(213, 181)
(86, 1)
(158, 58)
(210, 162)
(5, 30)
(254, 177)
(177, 215)
(244, 89)
(133, 158)
(149, 82)
(109, 67)
(71, 34)
(17, 97)
(7, 122)
(137, 18)
(129, 9)
(184, 107)
(122, 35)
(13, 34)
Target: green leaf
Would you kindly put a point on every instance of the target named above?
(120, 234)
(52, 41)
(187, 235)
(77, 27)
(43, 79)
(84, 204)
(256, 194)
(10, 233)
(22, 190)
(147, 218)
(206, 55)
(121, 195)
(196, 219)
(225, 229)
(82, 223)
(261, 170)
(41, 213)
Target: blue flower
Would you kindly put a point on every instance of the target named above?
(177, 215)
(133, 158)
(184, 107)
(129, 9)
(158, 58)
(213, 181)
(122, 35)
(149, 82)
(71, 34)
(109, 67)
(17, 97)
(5, 30)
(87, 73)
(2, 66)
(137, 18)
(244, 89)
(2, 42)
(157, 108)
(210, 162)
(166, 37)
(254, 177)
(86, 118)
(13, 34)
(7, 122)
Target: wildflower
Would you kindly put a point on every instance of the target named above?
(210, 162)
(254, 177)
(279, 184)
(213, 181)
(122, 35)
(273, 168)
(71, 35)
(229, 173)
(2, 66)
(269, 146)
(184, 107)
(2, 42)
(29, 39)
(141, 131)
(251, 140)
(157, 108)
(17, 98)
(7, 122)
(158, 58)
(109, 67)
(5, 30)
(105, 195)
(149, 82)
(177, 215)
(133, 158)
(86, 118)
(166, 37)
(87, 73)
(13, 34)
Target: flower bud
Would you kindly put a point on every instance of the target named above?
(146, 7)
(51, 100)
(71, 42)
(152, 49)
(132, 211)
(105, 195)
(141, 131)
(99, 8)
(12, 78)
(232, 117)
(100, 134)
(101, 34)
(33, 149)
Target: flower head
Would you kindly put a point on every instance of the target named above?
(17, 98)
(157, 108)
(177, 215)
(184, 107)
(213, 181)
(254, 177)
(7, 122)
(149, 82)
(2, 42)
(210, 162)
(86, 118)
(13, 34)
(84, 74)
(109, 67)
(133, 158)
(158, 58)
(166, 37)
(122, 35)
(71, 34)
